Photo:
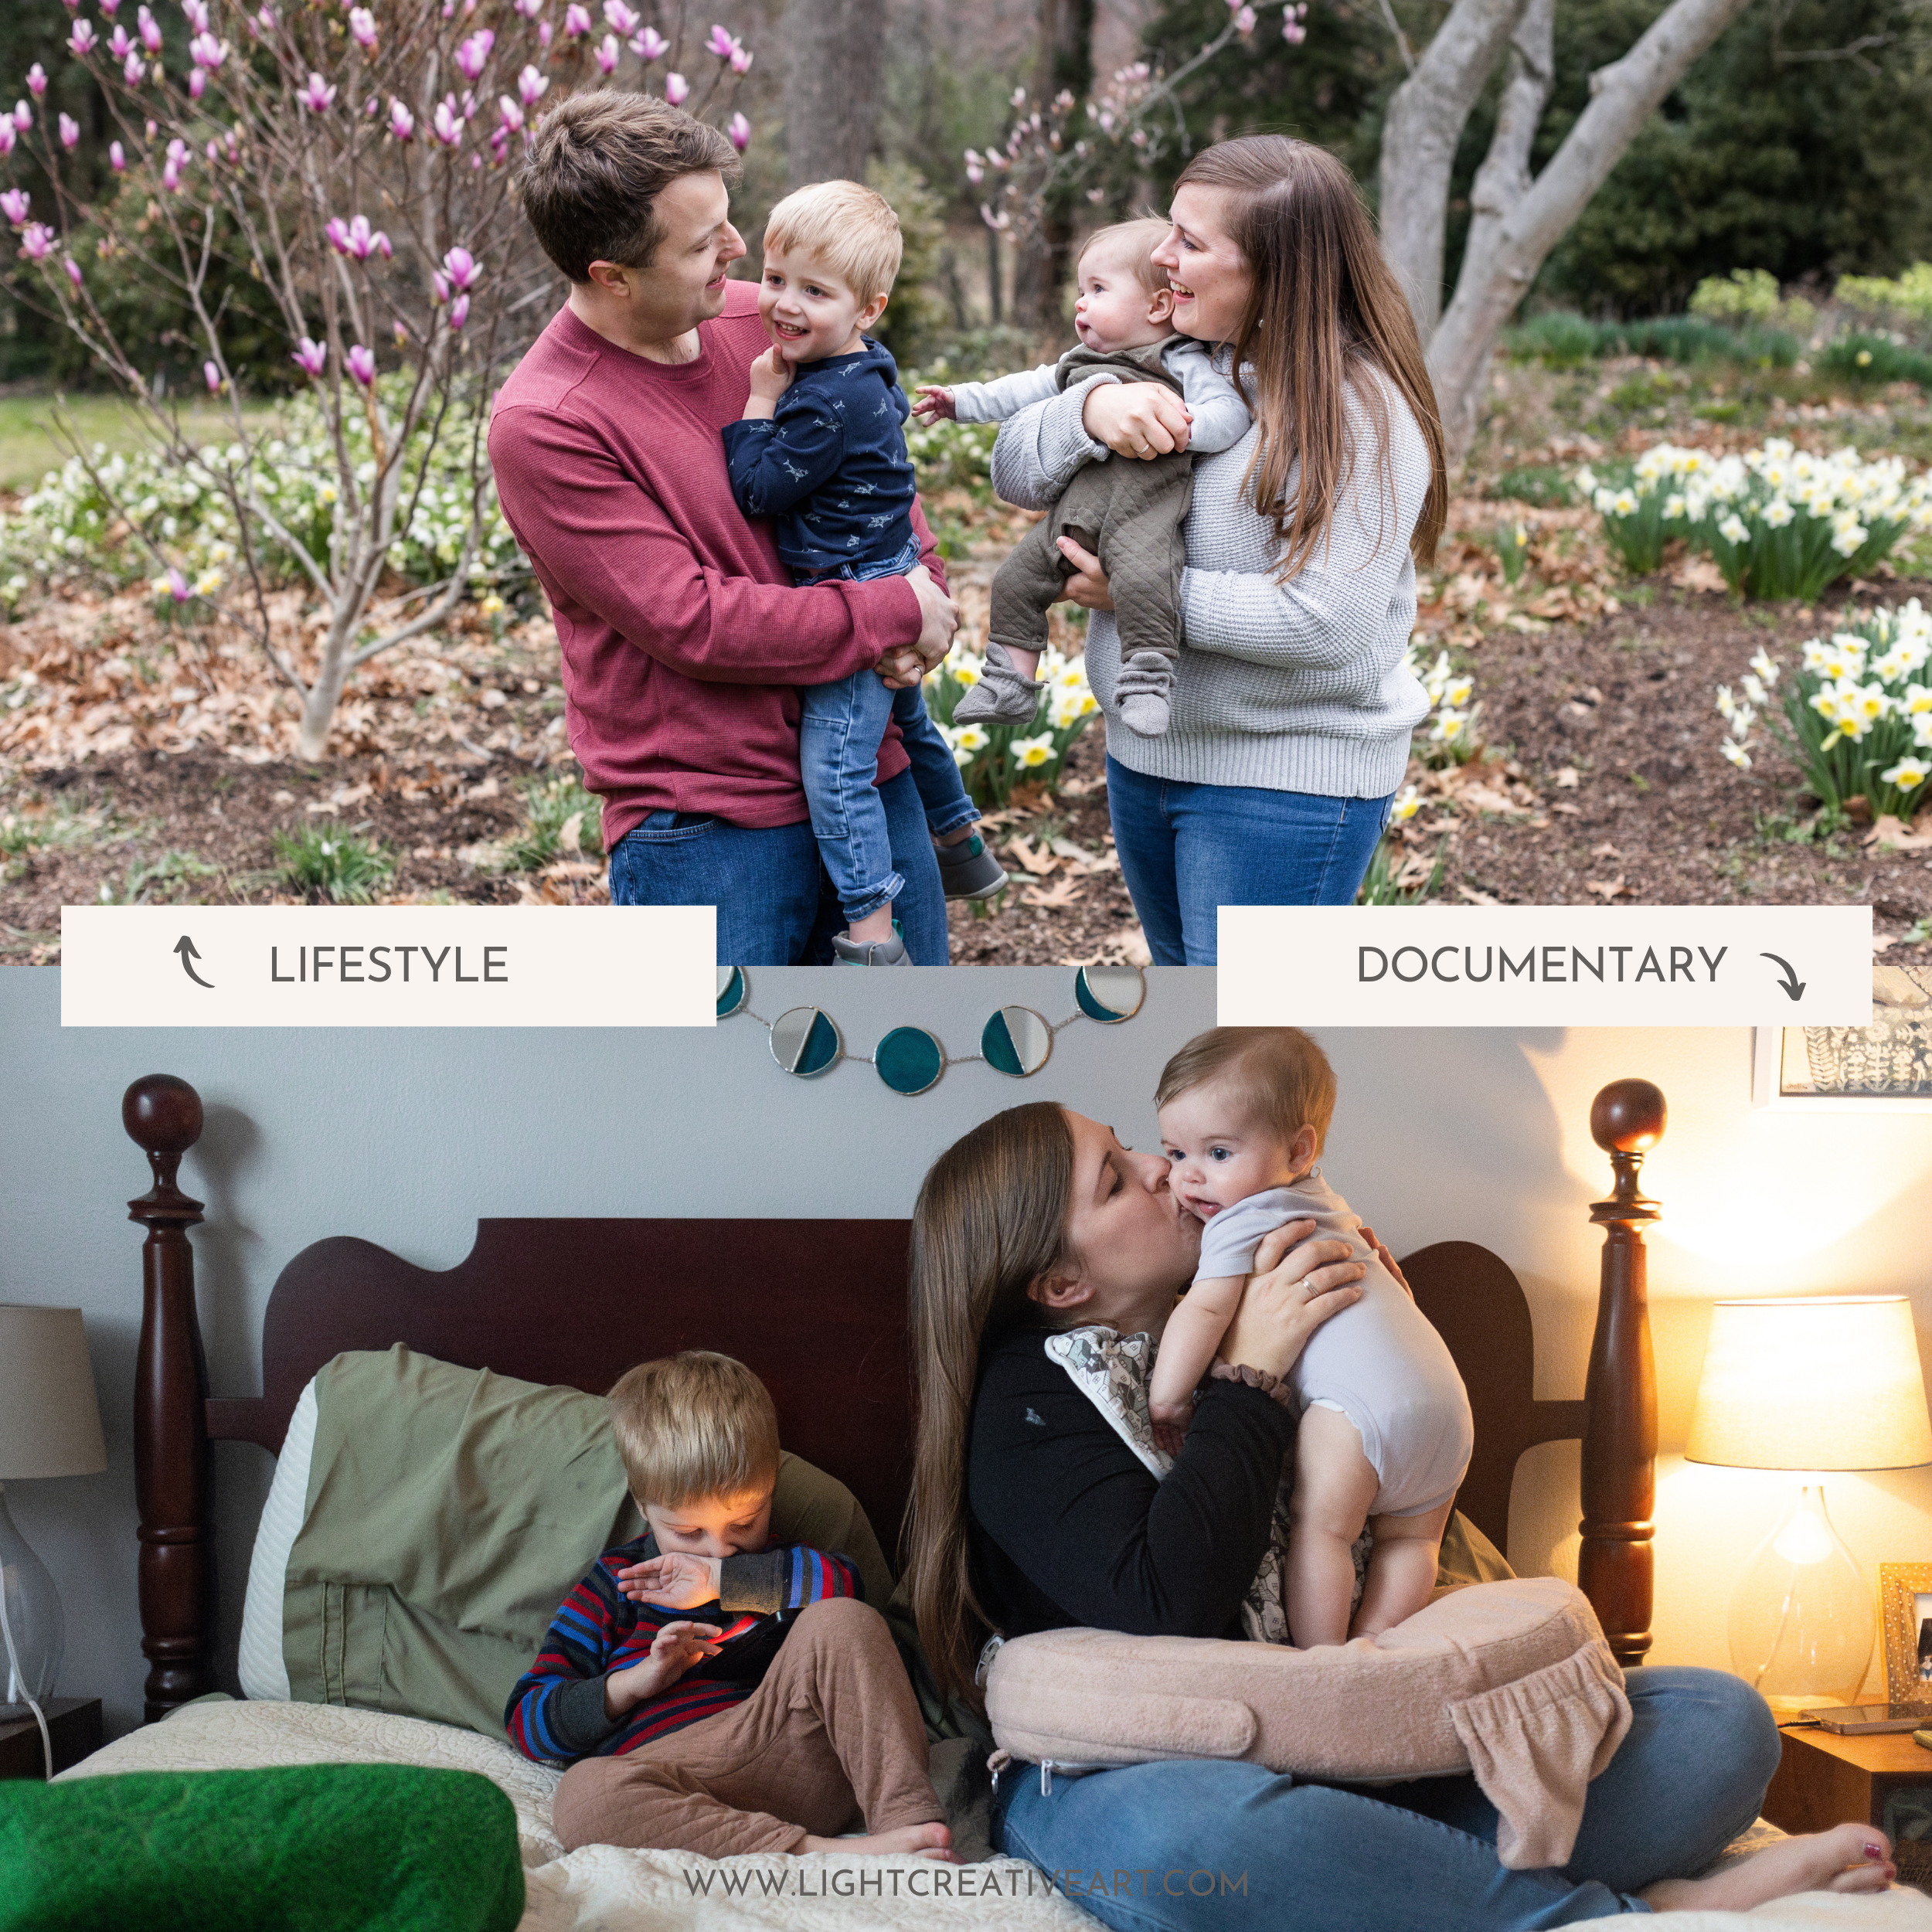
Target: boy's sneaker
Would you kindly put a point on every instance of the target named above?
(870, 952)
(968, 870)
(1004, 695)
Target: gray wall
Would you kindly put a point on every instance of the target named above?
(407, 1139)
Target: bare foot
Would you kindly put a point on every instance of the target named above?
(933, 1841)
(1849, 1857)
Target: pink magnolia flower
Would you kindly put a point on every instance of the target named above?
(459, 311)
(529, 9)
(14, 205)
(214, 151)
(439, 286)
(373, 107)
(133, 70)
(677, 89)
(69, 133)
(267, 19)
(402, 334)
(463, 268)
(178, 586)
(720, 43)
(543, 33)
(82, 41)
(740, 133)
(311, 358)
(36, 242)
(355, 238)
(119, 46)
(73, 271)
(648, 44)
(362, 28)
(617, 15)
(211, 375)
(110, 7)
(1244, 21)
(170, 176)
(402, 123)
(606, 54)
(361, 364)
(116, 157)
(1293, 32)
(197, 84)
(499, 146)
(206, 51)
(474, 52)
(576, 20)
(531, 86)
(152, 129)
(317, 96)
(448, 123)
(178, 151)
(469, 104)
(150, 32)
(512, 114)
(22, 116)
(197, 13)
(8, 136)
(36, 82)
(975, 173)
(740, 58)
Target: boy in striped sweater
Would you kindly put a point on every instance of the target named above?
(781, 1718)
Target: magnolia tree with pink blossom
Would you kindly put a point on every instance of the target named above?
(358, 164)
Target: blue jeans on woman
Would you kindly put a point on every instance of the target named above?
(775, 905)
(1194, 1846)
(1187, 850)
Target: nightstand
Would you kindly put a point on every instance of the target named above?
(73, 1727)
(1824, 1780)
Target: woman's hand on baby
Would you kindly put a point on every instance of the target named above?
(1170, 1420)
(1137, 419)
(1296, 1285)
(677, 1579)
(935, 405)
(1088, 586)
(1387, 1260)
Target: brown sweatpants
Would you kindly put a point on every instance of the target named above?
(831, 1738)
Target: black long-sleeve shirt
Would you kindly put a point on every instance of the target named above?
(1068, 1526)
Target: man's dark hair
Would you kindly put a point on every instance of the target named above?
(590, 183)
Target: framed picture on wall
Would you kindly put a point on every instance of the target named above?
(1905, 1590)
(1884, 1068)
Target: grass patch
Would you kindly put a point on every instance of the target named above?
(35, 825)
(561, 820)
(322, 863)
(1545, 485)
(153, 884)
(28, 450)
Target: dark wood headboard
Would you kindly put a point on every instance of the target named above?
(818, 1309)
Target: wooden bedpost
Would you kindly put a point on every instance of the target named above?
(1614, 1569)
(162, 1116)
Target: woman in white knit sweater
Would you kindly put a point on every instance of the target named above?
(1292, 712)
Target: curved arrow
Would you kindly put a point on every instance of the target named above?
(1792, 984)
(186, 947)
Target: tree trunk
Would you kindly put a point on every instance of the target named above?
(1419, 137)
(1525, 221)
(835, 55)
(1065, 64)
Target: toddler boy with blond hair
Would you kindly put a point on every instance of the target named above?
(775, 1723)
(821, 450)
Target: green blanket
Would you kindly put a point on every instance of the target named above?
(320, 1847)
(450, 1511)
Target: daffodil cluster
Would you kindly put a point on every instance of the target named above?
(1450, 738)
(1778, 522)
(1856, 712)
(992, 759)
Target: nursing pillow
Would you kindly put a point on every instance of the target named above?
(1512, 1681)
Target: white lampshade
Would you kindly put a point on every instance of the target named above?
(1818, 1382)
(49, 1421)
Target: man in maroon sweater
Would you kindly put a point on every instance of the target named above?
(683, 641)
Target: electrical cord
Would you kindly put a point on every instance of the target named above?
(16, 1680)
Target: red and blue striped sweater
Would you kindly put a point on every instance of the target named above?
(556, 1713)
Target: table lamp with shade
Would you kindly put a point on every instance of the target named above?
(1808, 1384)
(49, 1425)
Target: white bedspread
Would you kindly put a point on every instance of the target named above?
(602, 1888)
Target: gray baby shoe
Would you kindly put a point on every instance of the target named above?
(1004, 695)
(968, 870)
(1146, 680)
(870, 952)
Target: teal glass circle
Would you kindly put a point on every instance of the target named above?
(733, 990)
(804, 1041)
(1016, 1042)
(1110, 994)
(909, 1059)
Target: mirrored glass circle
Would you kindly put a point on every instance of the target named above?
(1016, 1042)
(1110, 994)
(909, 1059)
(733, 990)
(804, 1041)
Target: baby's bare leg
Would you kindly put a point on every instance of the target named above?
(1401, 1570)
(1335, 1483)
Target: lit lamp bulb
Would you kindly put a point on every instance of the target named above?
(1808, 1384)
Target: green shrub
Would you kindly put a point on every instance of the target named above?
(1876, 359)
(1542, 484)
(1907, 299)
(323, 863)
(561, 820)
(1557, 340)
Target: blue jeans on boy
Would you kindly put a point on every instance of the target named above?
(1194, 1845)
(1187, 850)
(839, 737)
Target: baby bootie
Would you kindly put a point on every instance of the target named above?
(1004, 695)
(1146, 681)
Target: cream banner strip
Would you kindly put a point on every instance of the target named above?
(388, 966)
(1545, 966)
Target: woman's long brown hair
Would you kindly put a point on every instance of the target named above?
(990, 1221)
(1325, 310)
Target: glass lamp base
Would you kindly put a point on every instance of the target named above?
(32, 1631)
(1801, 1622)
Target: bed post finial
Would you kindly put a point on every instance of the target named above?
(1614, 1568)
(162, 1116)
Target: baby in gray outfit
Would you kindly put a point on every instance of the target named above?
(1128, 513)
(1385, 1434)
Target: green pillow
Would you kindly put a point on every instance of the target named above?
(316, 1848)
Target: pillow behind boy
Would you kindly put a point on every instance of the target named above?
(450, 1510)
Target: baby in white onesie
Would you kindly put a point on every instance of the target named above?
(1385, 1434)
